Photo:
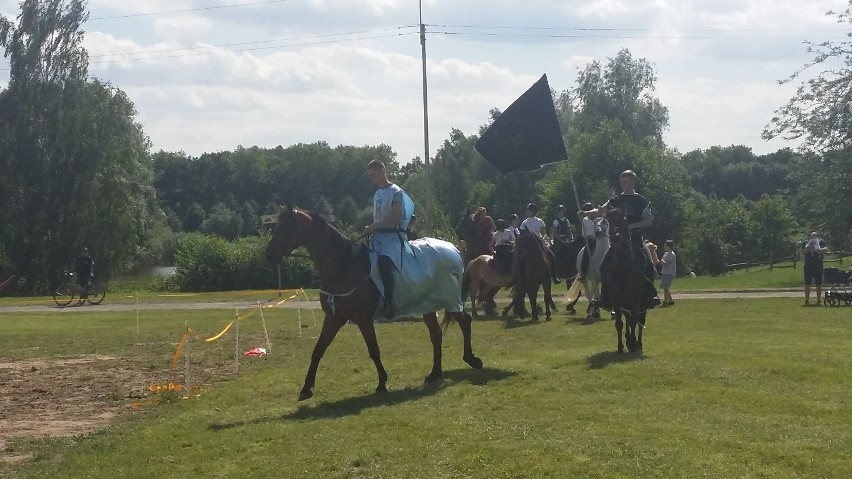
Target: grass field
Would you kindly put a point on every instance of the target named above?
(736, 388)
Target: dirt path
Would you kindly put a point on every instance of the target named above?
(107, 306)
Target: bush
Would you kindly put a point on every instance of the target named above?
(210, 263)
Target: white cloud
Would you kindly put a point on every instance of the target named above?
(197, 90)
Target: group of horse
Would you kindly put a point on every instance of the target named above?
(531, 270)
(348, 293)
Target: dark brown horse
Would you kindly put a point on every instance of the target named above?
(566, 264)
(624, 281)
(531, 269)
(349, 294)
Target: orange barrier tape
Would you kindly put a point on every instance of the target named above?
(222, 333)
(180, 347)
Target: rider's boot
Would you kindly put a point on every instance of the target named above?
(386, 272)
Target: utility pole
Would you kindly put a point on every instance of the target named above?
(429, 222)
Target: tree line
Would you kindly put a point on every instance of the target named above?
(78, 170)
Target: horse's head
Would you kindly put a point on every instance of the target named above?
(285, 235)
(618, 226)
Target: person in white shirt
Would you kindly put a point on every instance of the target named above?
(514, 222)
(533, 224)
(502, 242)
(669, 271)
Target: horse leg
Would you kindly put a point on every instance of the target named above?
(548, 301)
(330, 326)
(475, 286)
(368, 330)
(641, 324)
(431, 320)
(465, 324)
(533, 297)
(631, 330)
(619, 326)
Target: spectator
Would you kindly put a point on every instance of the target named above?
(485, 229)
(669, 270)
(813, 250)
(84, 268)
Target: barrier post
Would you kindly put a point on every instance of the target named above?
(137, 314)
(186, 361)
(265, 331)
(237, 341)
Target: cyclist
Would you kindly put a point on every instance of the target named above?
(84, 269)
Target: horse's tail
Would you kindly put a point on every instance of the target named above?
(449, 319)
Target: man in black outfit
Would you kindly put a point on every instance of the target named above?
(637, 209)
(813, 250)
(84, 269)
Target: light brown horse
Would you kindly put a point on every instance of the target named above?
(482, 281)
(348, 293)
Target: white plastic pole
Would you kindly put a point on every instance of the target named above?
(237, 341)
(137, 314)
(265, 331)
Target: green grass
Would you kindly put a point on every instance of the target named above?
(736, 388)
(167, 297)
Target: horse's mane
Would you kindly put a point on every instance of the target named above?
(350, 250)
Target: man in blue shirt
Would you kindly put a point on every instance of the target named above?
(392, 210)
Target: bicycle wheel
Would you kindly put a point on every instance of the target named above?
(97, 293)
(64, 294)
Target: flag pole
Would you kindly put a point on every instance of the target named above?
(426, 161)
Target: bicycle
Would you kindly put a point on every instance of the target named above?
(69, 289)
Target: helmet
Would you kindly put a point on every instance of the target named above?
(560, 208)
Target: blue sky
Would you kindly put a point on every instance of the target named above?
(212, 75)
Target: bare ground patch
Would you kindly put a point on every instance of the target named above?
(60, 397)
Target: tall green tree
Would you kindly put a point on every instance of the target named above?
(621, 91)
(821, 111)
(74, 160)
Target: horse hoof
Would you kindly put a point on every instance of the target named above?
(305, 394)
(547, 318)
(381, 389)
(432, 378)
(620, 348)
(571, 310)
(473, 362)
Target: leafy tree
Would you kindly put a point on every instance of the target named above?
(620, 91)
(74, 160)
(821, 111)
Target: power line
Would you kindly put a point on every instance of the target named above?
(252, 49)
(609, 36)
(170, 12)
(610, 29)
(257, 42)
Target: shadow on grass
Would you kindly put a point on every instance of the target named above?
(513, 323)
(586, 321)
(605, 358)
(355, 405)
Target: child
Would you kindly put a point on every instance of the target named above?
(669, 271)
(501, 243)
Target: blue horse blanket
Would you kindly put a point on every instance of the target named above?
(429, 280)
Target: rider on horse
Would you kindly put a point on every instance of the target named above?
(533, 224)
(637, 210)
(502, 242)
(392, 210)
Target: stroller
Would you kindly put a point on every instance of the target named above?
(840, 290)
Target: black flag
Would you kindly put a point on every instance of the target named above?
(526, 135)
